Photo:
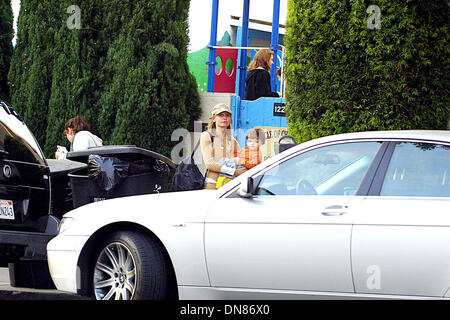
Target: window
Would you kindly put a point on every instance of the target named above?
(418, 169)
(331, 170)
(16, 141)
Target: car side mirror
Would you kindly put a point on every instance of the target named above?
(246, 190)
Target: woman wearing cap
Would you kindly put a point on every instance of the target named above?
(217, 143)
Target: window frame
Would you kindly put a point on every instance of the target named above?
(380, 174)
(366, 182)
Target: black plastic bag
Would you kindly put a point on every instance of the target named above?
(161, 167)
(187, 176)
(148, 165)
(108, 172)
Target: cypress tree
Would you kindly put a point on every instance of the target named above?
(76, 77)
(347, 72)
(6, 49)
(32, 62)
(152, 91)
(116, 16)
(125, 70)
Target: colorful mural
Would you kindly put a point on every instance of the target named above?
(197, 63)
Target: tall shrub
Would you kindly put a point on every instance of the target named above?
(31, 67)
(6, 48)
(124, 68)
(77, 81)
(344, 74)
(152, 91)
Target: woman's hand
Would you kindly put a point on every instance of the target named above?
(239, 171)
(59, 155)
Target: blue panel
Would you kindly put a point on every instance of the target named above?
(249, 114)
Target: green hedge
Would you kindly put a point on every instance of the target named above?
(124, 68)
(150, 91)
(344, 76)
(6, 36)
(30, 74)
(77, 74)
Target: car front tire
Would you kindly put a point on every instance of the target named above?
(129, 266)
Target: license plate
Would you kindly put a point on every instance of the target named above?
(6, 209)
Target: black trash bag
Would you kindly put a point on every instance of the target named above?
(148, 165)
(187, 176)
(108, 172)
(140, 166)
(161, 168)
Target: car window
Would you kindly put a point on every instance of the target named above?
(16, 141)
(331, 170)
(418, 169)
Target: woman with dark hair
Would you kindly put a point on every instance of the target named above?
(79, 136)
(258, 76)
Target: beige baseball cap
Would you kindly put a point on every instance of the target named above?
(218, 108)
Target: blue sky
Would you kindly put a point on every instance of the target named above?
(16, 6)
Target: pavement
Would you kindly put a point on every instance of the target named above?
(14, 293)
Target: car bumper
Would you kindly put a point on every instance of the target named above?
(62, 255)
(15, 245)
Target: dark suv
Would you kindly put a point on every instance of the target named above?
(28, 216)
(36, 192)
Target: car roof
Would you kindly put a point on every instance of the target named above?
(434, 135)
(442, 136)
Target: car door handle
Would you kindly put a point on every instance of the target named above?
(336, 210)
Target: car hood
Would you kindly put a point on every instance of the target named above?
(184, 206)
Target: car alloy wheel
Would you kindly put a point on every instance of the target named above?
(129, 265)
(115, 273)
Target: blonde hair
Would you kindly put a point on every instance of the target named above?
(212, 124)
(261, 59)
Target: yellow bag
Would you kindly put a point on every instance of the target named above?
(221, 181)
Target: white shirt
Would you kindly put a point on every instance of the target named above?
(84, 140)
